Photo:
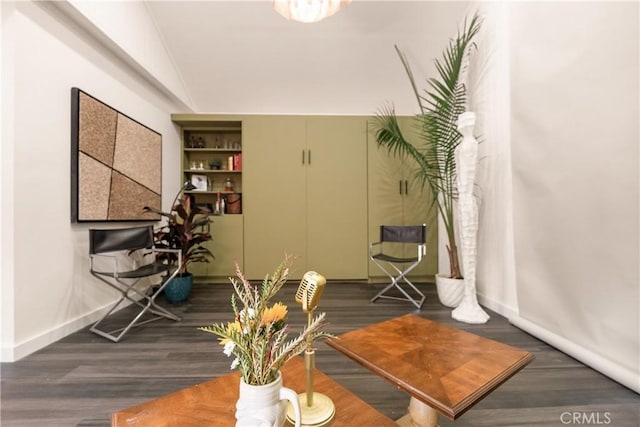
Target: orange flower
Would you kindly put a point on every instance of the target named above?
(274, 314)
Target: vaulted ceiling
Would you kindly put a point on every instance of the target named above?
(242, 56)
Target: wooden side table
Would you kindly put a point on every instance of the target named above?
(443, 369)
(213, 403)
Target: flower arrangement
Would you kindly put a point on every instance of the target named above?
(258, 335)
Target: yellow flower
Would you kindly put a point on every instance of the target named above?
(274, 314)
(230, 328)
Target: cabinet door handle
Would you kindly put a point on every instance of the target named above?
(303, 157)
(309, 156)
(400, 188)
(406, 187)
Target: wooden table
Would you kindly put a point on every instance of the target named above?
(443, 369)
(213, 403)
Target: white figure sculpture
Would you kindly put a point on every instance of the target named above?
(468, 311)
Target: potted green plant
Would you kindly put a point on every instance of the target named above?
(184, 230)
(440, 104)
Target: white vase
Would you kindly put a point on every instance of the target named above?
(265, 405)
(450, 291)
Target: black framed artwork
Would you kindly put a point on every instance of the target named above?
(116, 164)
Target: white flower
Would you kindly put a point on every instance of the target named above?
(235, 363)
(228, 348)
(247, 312)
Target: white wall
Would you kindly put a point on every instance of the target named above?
(489, 97)
(575, 120)
(128, 29)
(47, 291)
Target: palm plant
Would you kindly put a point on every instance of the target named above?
(440, 105)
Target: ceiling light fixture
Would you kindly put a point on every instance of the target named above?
(308, 10)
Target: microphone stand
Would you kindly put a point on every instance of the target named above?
(317, 408)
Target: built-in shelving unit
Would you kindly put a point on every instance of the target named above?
(212, 162)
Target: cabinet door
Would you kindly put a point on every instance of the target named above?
(337, 197)
(386, 187)
(417, 208)
(396, 197)
(226, 246)
(274, 180)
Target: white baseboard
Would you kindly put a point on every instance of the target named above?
(613, 370)
(498, 307)
(33, 344)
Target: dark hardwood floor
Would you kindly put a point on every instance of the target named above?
(83, 378)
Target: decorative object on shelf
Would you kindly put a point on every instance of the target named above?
(440, 105)
(196, 165)
(196, 142)
(317, 408)
(308, 11)
(215, 164)
(183, 230)
(199, 182)
(116, 164)
(469, 311)
(234, 203)
(228, 185)
(257, 338)
(219, 207)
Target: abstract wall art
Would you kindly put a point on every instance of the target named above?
(116, 164)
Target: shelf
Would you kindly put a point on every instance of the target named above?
(210, 192)
(212, 171)
(213, 150)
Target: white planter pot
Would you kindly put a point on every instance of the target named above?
(265, 405)
(450, 291)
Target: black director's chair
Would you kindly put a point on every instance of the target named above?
(397, 267)
(106, 247)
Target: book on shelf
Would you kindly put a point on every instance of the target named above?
(234, 163)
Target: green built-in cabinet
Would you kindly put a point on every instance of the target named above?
(305, 181)
(315, 187)
(396, 197)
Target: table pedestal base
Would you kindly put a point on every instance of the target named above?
(420, 415)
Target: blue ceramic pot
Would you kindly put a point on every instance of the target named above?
(179, 288)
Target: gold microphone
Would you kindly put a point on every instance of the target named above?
(317, 408)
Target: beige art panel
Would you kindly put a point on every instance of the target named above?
(93, 195)
(116, 163)
(137, 153)
(97, 129)
(126, 198)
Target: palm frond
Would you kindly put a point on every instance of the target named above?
(440, 103)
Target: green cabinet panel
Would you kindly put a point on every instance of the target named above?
(274, 177)
(396, 197)
(227, 245)
(227, 248)
(306, 176)
(337, 197)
